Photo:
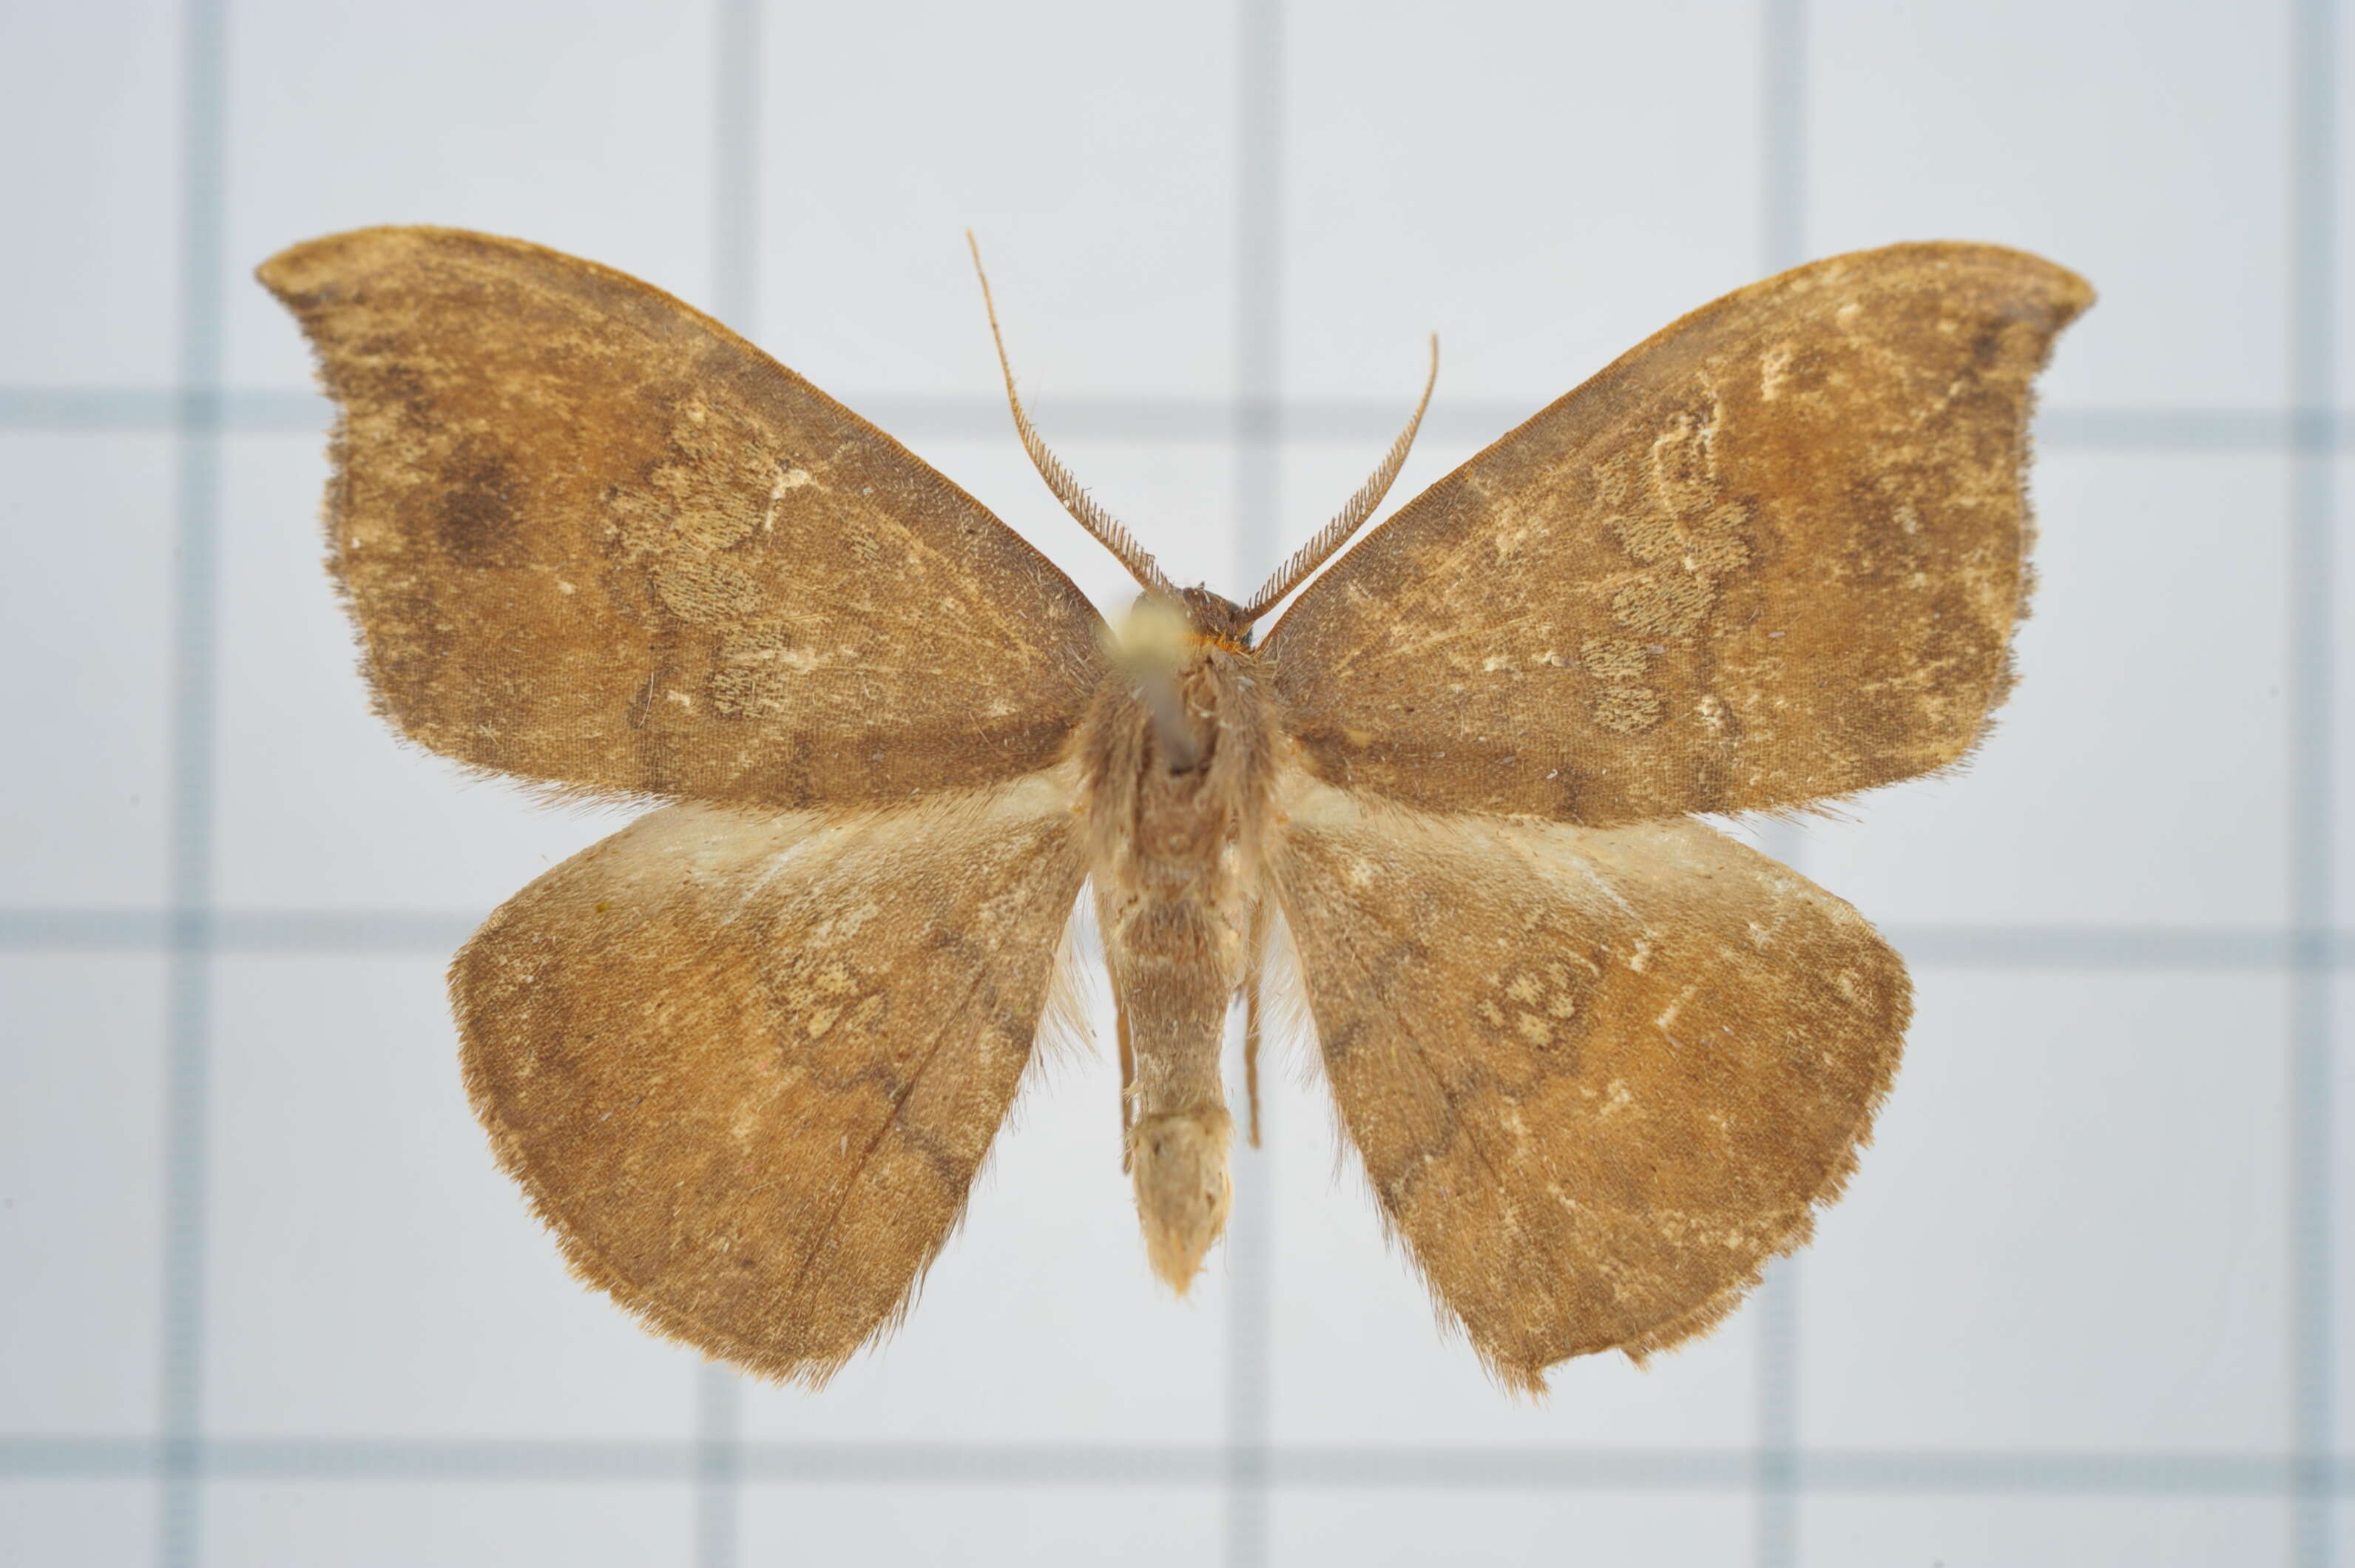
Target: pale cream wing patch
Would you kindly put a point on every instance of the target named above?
(1598, 1077)
(746, 1065)
(593, 537)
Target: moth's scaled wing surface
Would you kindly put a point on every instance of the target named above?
(593, 537)
(746, 1064)
(743, 1057)
(1598, 1076)
(1772, 554)
(1601, 1072)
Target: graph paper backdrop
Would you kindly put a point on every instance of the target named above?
(264, 1300)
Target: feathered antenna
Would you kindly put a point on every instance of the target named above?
(1106, 527)
(1335, 533)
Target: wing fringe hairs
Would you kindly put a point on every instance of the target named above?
(1065, 1032)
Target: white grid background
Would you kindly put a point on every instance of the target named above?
(264, 1298)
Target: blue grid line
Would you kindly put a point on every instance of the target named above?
(736, 166)
(2310, 840)
(1257, 433)
(1467, 1468)
(718, 1465)
(194, 681)
(1783, 139)
(220, 931)
(2077, 949)
(1774, 1473)
(735, 300)
(288, 411)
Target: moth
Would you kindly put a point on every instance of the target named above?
(1601, 1061)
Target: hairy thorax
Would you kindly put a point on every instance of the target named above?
(1178, 751)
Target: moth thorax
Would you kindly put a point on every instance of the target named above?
(1160, 633)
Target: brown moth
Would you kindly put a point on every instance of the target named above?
(1601, 1061)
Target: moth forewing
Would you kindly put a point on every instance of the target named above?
(1772, 554)
(591, 537)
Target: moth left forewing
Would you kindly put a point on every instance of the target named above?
(746, 1065)
(1598, 1077)
(591, 539)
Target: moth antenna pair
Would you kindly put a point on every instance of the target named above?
(1114, 535)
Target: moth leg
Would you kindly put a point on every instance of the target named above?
(1253, 975)
(1127, 1071)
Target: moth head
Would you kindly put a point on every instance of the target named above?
(1216, 620)
(1163, 634)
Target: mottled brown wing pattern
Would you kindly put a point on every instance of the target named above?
(1772, 554)
(593, 537)
(1598, 1077)
(1601, 1061)
(746, 1065)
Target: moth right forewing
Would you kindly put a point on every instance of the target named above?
(746, 1065)
(1598, 1078)
(593, 537)
(1774, 553)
